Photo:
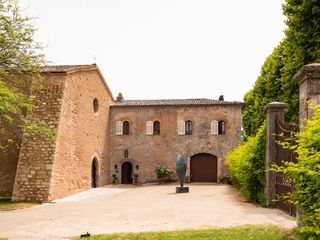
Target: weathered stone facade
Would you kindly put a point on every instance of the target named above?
(53, 169)
(148, 151)
(78, 106)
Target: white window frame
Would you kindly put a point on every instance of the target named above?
(214, 127)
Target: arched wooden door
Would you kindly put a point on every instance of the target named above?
(126, 173)
(203, 168)
(94, 173)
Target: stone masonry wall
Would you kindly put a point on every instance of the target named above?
(10, 137)
(36, 157)
(82, 135)
(149, 150)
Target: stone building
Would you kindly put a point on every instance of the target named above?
(147, 133)
(98, 137)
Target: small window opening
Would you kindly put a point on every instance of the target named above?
(95, 105)
(126, 128)
(188, 127)
(126, 153)
(156, 128)
(222, 127)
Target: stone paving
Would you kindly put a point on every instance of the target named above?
(137, 208)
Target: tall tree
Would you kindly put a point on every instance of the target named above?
(20, 61)
(300, 46)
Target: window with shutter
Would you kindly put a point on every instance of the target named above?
(119, 128)
(149, 128)
(181, 127)
(214, 127)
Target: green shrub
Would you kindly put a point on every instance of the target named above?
(246, 166)
(305, 175)
(163, 172)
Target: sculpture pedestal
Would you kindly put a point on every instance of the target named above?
(182, 189)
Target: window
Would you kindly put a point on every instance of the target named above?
(181, 128)
(126, 128)
(188, 127)
(119, 129)
(126, 153)
(222, 127)
(214, 127)
(95, 105)
(156, 128)
(149, 128)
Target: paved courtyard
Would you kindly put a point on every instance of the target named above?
(131, 208)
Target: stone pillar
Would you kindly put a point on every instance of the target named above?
(274, 110)
(309, 92)
(309, 89)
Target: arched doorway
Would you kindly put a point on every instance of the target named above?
(203, 168)
(126, 173)
(94, 173)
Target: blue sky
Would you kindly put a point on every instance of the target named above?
(154, 49)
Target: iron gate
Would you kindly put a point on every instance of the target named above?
(284, 133)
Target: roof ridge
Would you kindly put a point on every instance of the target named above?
(175, 102)
(66, 68)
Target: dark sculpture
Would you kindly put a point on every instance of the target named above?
(181, 167)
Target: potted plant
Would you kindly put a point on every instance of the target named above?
(187, 179)
(135, 178)
(163, 173)
(114, 178)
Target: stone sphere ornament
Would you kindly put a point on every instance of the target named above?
(181, 168)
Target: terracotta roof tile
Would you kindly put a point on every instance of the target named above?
(173, 102)
(65, 68)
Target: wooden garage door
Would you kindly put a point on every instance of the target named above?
(203, 168)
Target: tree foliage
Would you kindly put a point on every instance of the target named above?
(300, 46)
(305, 174)
(246, 166)
(20, 61)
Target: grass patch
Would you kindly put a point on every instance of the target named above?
(246, 232)
(7, 205)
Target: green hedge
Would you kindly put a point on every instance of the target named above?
(246, 166)
(306, 177)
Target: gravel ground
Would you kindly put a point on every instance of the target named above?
(133, 209)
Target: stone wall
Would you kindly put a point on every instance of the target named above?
(82, 135)
(53, 169)
(10, 139)
(36, 157)
(149, 150)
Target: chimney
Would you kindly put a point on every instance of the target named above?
(119, 97)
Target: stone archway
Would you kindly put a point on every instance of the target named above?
(126, 173)
(94, 173)
(203, 168)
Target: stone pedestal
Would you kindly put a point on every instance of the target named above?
(182, 189)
